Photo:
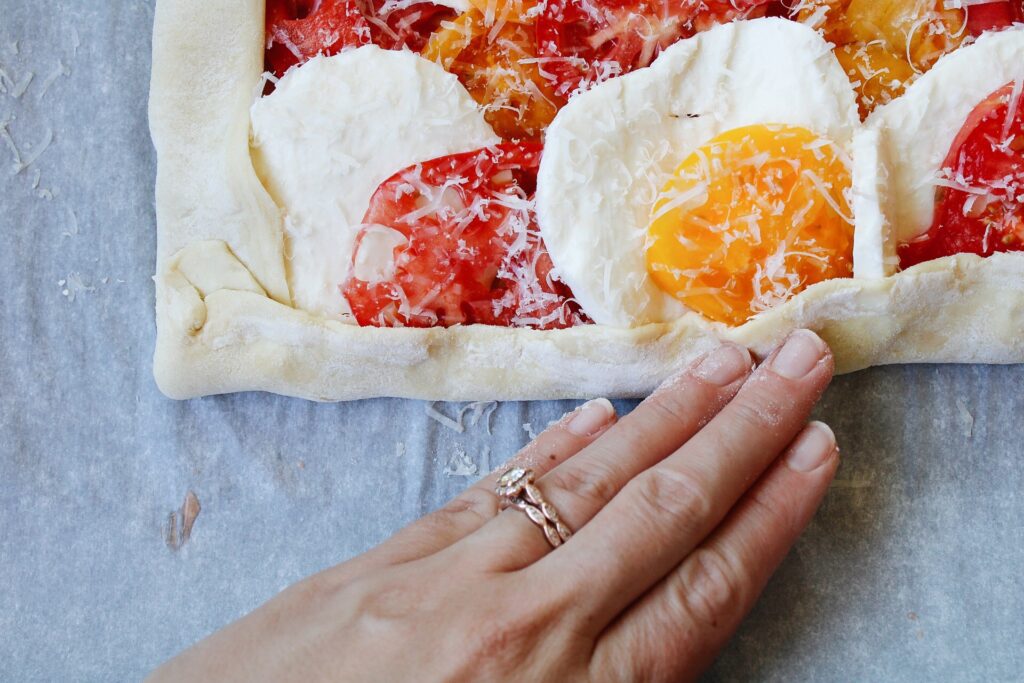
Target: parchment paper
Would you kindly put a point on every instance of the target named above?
(910, 572)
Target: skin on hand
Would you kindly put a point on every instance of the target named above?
(682, 511)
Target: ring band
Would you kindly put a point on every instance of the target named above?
(516, 489)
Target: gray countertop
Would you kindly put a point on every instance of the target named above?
(910, 572)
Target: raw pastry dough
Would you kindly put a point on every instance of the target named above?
(225, 321)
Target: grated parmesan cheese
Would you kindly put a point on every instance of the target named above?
(445, 421)
(460, 464)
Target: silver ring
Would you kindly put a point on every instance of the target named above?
(516, 489)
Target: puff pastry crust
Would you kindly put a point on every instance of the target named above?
(225, 321)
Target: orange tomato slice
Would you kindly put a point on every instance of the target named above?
(497, 63)
(885, 44)
(750, 219)
(876, 73)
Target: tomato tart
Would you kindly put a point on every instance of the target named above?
(536, 199)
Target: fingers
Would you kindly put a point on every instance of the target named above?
(580, 487)
(478, 504)
(666, 511)
(675, 631)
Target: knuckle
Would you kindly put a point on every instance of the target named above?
(378, 600)
(512, 630)
(754, 411)
(771, 511)
(470, 510)
(474, 504)
(709, 588)
(395, 599)
(552, 441)
(629, 656)
(438, 524)
(501, 636)
(674, 406)
(508, 633)
(593, 484)
(372, 608)
(677, 495)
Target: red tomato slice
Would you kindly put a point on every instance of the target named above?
(980, 206)
(588, 41)
(454, 241)
(298, 30)
(992, 16)
(397, 24)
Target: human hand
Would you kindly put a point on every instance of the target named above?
(682, 511)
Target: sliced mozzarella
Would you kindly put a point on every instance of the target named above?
(912, 136)
(336, 128)
(609, 152)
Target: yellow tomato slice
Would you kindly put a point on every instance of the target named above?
(885, 44)
(827, 16)
(876, 73)
(497, 63)
(750, 219)
(919, 30)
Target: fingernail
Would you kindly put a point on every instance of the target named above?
(812, 449)
(724, 365)
(591, 417)
(799, 355)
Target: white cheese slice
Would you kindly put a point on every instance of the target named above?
(331, 132)
(609, 152)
